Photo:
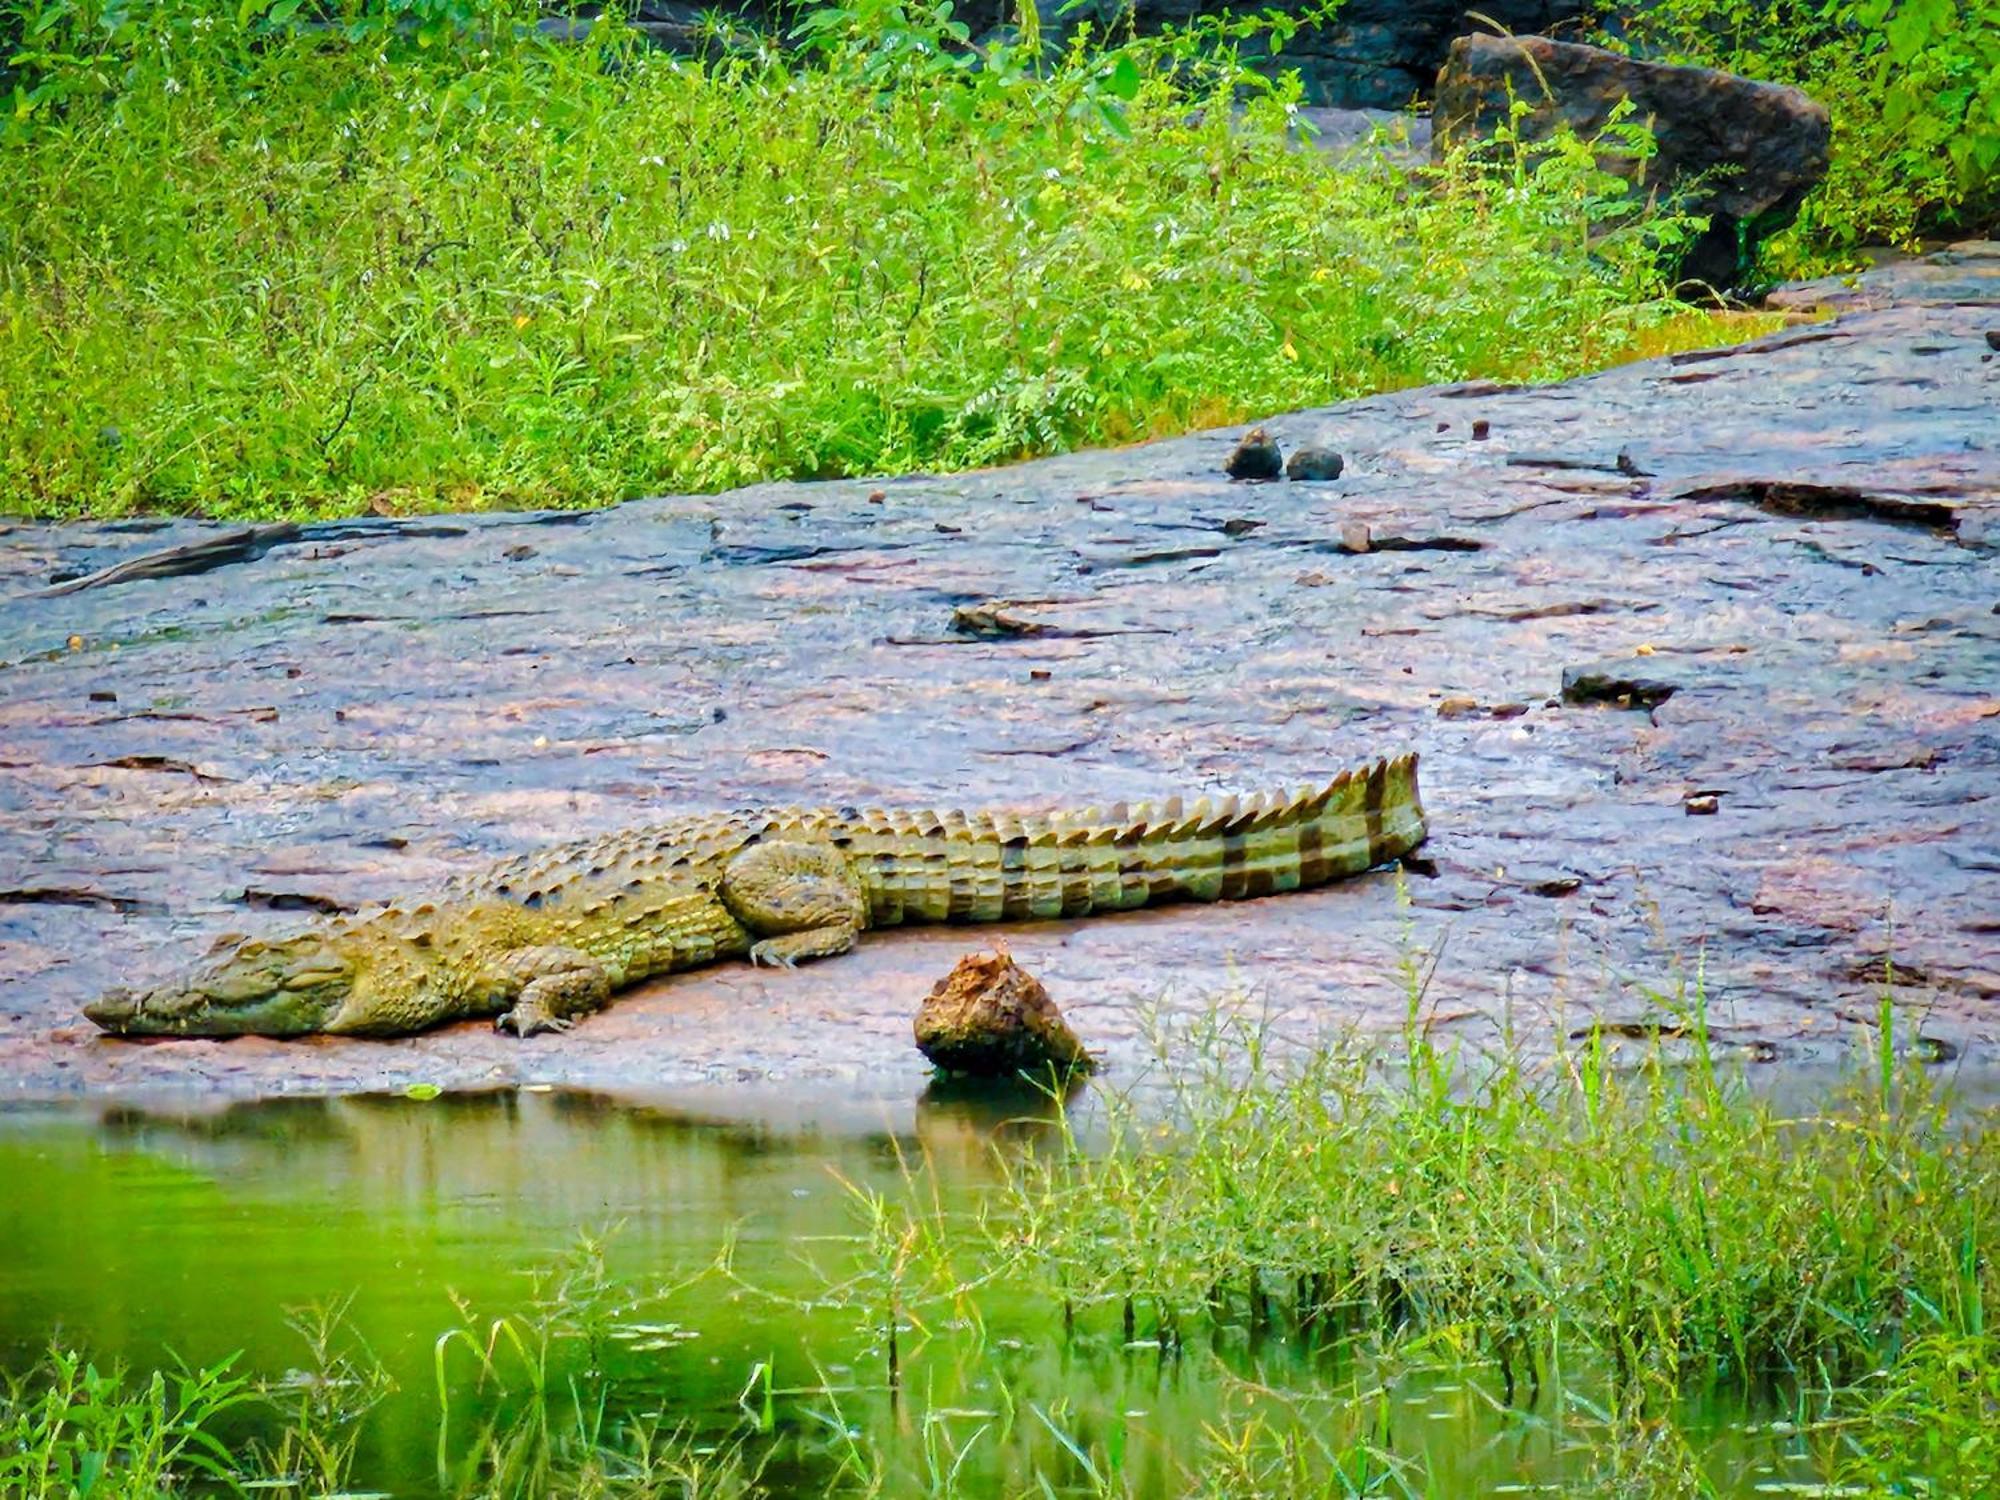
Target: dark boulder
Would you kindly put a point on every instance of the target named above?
(1370, 54)
(1764, 144)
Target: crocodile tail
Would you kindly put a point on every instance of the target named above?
(987, 867)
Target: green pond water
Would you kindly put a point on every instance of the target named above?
(145, 1236)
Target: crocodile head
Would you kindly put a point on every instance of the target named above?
(286, 987)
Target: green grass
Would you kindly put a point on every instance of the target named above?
(1603, 1252)
(69, 1429)
(314, 275)
(1664, 1220)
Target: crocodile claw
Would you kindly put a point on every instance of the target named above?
(531, 1025)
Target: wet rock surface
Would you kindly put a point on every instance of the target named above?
(1807, 558)
(1963, 272)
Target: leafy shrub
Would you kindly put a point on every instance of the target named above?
(56, 51)
(1914, 90)
(266, 271)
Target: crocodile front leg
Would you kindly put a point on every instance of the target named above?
(803, 900)
(555, 986)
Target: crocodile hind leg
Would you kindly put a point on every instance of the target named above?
(802, 900)
(557, 985)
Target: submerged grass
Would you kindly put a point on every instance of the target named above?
(1235, 1278)
(1665, 1220)
(294, 273)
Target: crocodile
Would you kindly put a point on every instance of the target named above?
(543, 939)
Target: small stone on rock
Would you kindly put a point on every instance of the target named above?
(102, 696)
(1615, 683)
(1508, 710)
(1993, 339)
(1314, 465)
(1458, 708)
(1702, 806)
(519, 552)
(1257, 456)
(990, 1016)
(1481, 429)
(1356, 537)
(993, 620)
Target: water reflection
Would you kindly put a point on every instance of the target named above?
(145, 1234)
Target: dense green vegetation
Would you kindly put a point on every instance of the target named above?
(1913, 87)
(1600, 1249)
(289, 258)
(246, 270)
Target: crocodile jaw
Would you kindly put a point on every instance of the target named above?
(251, 988)
(172, 1012)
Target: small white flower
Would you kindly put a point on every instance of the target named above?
(718, 230)
(1052, 174)
(172, 85)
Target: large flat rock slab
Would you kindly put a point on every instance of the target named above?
(1779, 604)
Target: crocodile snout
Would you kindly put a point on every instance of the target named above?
(113, 1008)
